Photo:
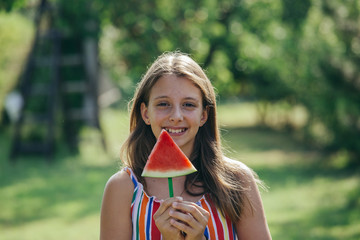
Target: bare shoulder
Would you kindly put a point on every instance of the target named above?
(253, 224)
(120, 182)
(116, 207)
(118, 191)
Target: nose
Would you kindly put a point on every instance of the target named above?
(176, 115)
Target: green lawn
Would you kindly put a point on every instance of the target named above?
(306, 199)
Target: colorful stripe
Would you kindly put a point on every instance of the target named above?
(144, 207)
(230, 228)
(137, 220)
(155, 233)
(149, 217)
(142, 222)
(206, 232)
(210, 227)
(223, 224)
(218, 224)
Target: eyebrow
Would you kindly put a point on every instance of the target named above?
(159, 97)
(186, 98)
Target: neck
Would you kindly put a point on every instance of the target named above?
(159, 188)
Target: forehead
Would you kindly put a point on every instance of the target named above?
(174, 86)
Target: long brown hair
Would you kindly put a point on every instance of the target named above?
(219, 179)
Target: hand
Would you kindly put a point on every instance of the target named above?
(189, 218)
(177, 219)
(162, 220)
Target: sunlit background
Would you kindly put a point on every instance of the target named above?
(288, 83)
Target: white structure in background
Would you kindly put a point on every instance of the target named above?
(13, 105)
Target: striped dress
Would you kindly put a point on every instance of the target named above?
(143, 208)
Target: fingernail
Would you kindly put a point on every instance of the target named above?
(179, 198)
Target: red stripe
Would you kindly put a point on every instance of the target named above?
(219, 227)
(230, 228)
(155, 233)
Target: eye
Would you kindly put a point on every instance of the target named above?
(162, 104)
(189, 105)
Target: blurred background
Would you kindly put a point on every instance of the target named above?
(288, 83)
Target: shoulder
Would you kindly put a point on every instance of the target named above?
(249, 181)
(120, 181)
(119, 187)
(253, 224)
(116, 206)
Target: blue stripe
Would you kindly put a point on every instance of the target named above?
(134, 181)
(148, 219)
(206, 233)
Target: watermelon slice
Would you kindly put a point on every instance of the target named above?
(166, 160)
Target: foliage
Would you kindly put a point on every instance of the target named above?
(303, 53)
(15, 39)
(9, 5)
(327, 82)
(299, 52)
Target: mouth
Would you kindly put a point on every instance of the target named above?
(175, 130)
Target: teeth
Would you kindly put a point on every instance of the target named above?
(170, 130)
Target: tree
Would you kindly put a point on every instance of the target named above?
(298, 52)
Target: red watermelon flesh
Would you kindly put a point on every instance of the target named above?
(166, 160)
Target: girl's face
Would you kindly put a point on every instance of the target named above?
(175, 104)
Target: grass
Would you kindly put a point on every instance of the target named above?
(61, 200)
(306, 199)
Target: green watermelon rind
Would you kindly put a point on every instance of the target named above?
(167, 174)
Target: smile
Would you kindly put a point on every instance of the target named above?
(179, 130)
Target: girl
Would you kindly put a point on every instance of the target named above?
(220, 201)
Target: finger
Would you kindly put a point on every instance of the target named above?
(190, 218)
(185, 220)
(187, 230)
(181, 226)
(162, 218)
(164, 206)
(198, 213)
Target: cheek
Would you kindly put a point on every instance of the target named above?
(195, 117)
(158, 115)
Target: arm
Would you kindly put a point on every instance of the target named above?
(253, 225)
(115, 220)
